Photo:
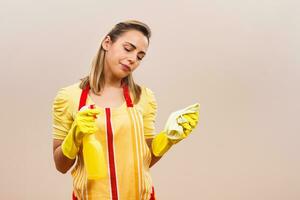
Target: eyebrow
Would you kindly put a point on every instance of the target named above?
(133, 46)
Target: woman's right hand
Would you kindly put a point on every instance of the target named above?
(83, 124)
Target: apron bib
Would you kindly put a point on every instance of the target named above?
(121, 134)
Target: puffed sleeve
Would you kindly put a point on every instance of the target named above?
(149, 116)
(61, 115)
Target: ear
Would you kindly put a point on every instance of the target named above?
(106, 43)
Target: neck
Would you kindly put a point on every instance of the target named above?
(112, 82)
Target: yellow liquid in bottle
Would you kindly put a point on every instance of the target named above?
(93, 157)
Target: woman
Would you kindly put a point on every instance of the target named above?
(124, 123)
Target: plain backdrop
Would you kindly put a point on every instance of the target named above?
(238, 58)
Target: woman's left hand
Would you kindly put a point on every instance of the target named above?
(189, 122)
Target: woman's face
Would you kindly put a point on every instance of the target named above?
(125, 54)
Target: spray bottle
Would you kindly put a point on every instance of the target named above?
(93, 156)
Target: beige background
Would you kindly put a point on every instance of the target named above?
(239, 59)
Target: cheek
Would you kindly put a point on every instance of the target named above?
(112, 58)
(116, 56)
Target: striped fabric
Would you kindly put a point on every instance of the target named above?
(127, 156)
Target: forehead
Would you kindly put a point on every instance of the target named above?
(136, 38)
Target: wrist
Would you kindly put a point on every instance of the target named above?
(70, 146)
(161, 144)
(69, 150)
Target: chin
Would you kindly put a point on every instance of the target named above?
(121, 75)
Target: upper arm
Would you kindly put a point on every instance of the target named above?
(149, 113)
(61, 115)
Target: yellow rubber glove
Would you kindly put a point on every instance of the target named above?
(179, 125)
(83, 124)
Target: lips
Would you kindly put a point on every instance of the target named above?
(126, 67)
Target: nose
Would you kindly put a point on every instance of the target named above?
(131, 58)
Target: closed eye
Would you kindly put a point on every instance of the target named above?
(128, 50)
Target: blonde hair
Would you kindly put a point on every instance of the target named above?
(96, 76)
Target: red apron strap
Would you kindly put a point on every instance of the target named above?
(152, 197)
(85, 93)
(73, 196)
(127, 95)
(83, 96)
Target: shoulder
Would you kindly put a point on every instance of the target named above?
(147, 94)
(147, 100)
(68, 96)
(70, 92)
(71, 89)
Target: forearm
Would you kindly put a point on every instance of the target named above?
(154, 159)
(62, 163)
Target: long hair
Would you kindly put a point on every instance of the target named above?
(96, 76)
